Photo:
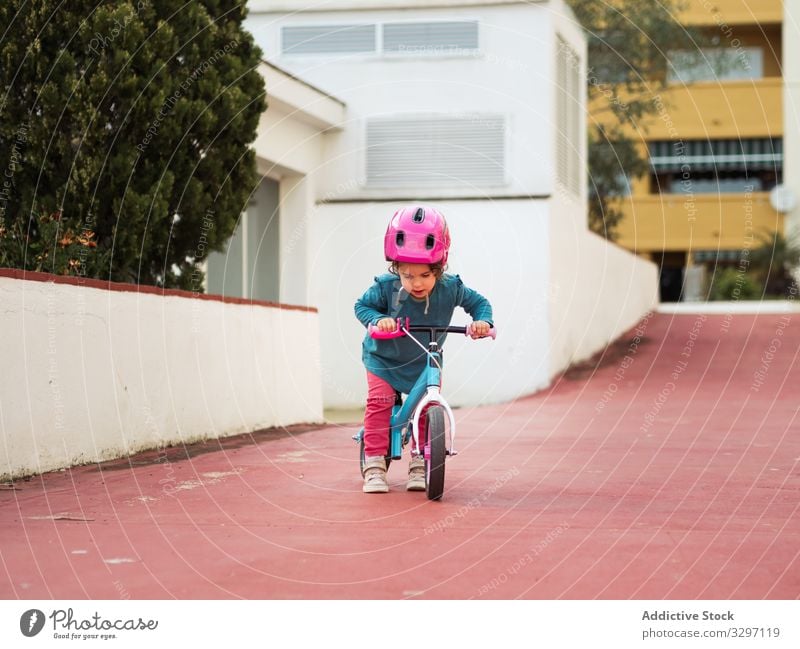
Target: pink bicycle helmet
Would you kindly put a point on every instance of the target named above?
(417, 234)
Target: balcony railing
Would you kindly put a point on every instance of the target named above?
(732, 12)
(709, 110)
(686, 221)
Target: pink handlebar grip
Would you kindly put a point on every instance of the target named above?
(377, 334)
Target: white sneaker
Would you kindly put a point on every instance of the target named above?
(416, 474)
(375, 476)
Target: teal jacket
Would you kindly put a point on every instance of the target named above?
(399, 361)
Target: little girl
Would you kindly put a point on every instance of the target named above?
(416, 243)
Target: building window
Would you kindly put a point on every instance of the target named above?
(436, 151)
(328, 39)
(719, 64)
(715, 166)
(721, 257)
(441, 38)
(431, 38)
(569, 93)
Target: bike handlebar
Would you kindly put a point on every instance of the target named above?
(406, 327)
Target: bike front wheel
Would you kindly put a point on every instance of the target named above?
(434, 462)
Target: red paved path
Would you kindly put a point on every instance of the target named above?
(690, 494)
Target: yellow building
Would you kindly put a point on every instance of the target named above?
(715, 148)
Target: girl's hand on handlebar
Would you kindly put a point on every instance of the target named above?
(479, 329)
(386, 324)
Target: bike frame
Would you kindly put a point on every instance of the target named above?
(404, 422)
(426, 392)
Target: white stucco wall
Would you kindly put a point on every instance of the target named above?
(521, 243)
(509, 75)
(285, 144)
(291, 150)
(500, 249)
(791, 110)
(290, 132)
(598, 292)
(92, 374)
(559, 294)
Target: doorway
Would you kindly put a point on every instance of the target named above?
(249, 264)
(671, 275)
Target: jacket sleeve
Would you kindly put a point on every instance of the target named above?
(372, 306)
(477, 306)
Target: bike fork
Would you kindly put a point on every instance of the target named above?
(434, 397)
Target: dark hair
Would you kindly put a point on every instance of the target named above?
(437, 269)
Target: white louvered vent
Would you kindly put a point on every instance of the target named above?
(328, 39)
(431, 37)
(430, 151)
(568, 116)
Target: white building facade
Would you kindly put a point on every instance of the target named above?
(475, 107)
(791, 115)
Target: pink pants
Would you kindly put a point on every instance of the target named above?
(378, 415)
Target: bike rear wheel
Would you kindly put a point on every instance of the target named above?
(434, 463)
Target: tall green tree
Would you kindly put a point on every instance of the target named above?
(629, 47)
(124, 135)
